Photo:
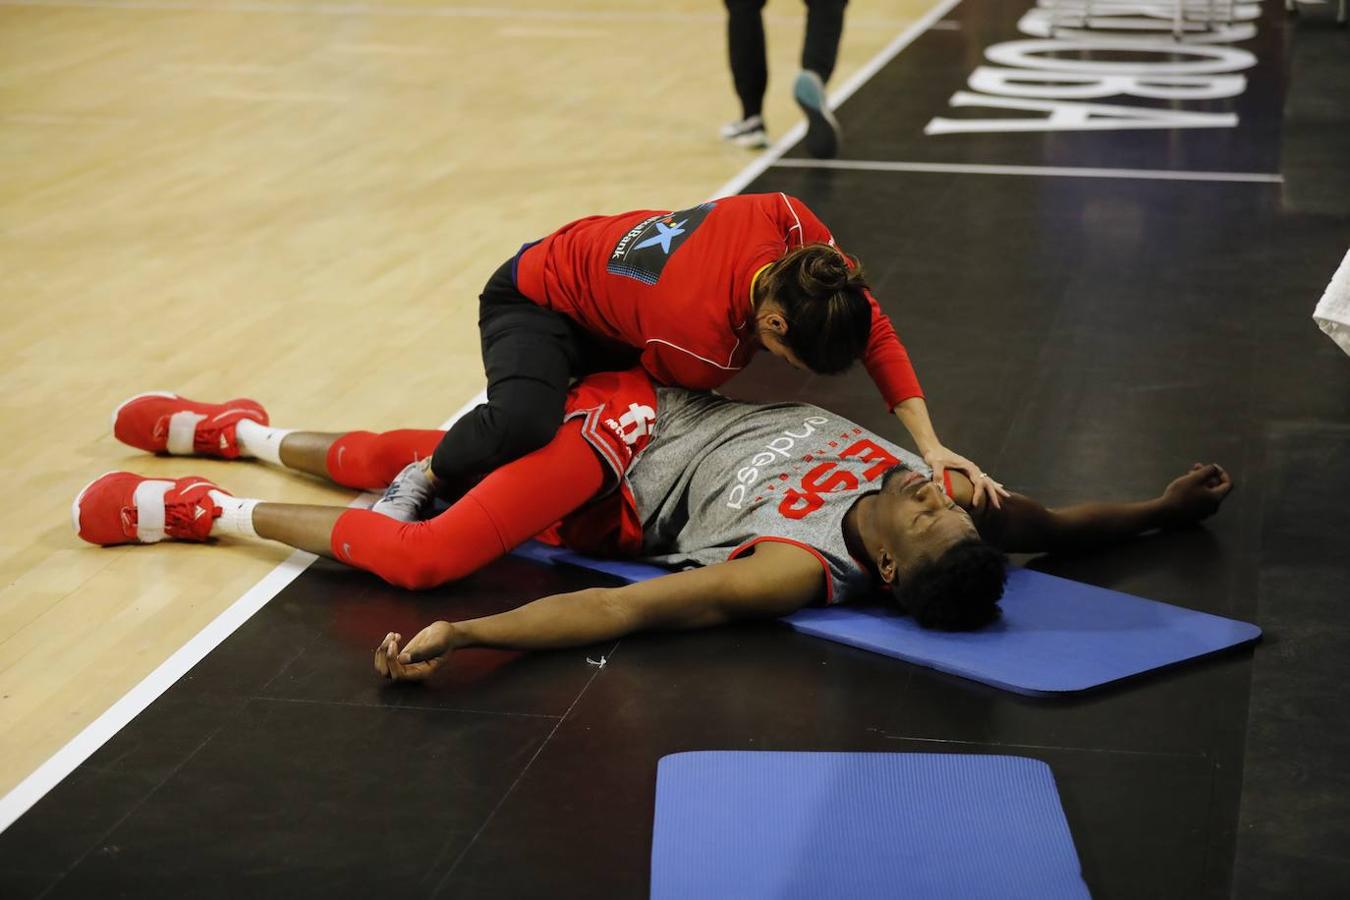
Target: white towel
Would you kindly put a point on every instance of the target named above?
(1333, 310)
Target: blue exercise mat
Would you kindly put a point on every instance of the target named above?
(622, 569)
(1055, 636)
(856, 826)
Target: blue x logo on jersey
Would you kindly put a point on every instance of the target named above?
(666, 233)
(644, 250)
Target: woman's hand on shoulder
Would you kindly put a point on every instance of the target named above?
(984, 489)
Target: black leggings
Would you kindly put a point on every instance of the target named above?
(530, 355)
(749, 60)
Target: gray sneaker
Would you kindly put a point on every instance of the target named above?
(822, 129)
(746, 133)
(406, 496)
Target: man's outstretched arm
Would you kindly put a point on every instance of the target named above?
(1023, 525)
(774, 580)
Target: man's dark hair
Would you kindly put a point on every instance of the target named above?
(958, 591)
(828, 316)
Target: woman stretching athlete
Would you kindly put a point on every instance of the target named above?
(689, 295)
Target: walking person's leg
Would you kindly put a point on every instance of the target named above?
(820, 51)
(749, 71)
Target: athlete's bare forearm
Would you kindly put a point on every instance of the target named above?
(774, 580)
(777, 579)
(561, 620)
(913, 414)
(1025, 526)
(1031, 528)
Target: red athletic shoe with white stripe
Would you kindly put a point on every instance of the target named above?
(161, 422)
(122, 508)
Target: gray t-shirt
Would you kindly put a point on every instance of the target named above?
(719, 475)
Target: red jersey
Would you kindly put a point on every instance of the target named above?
(677, 286)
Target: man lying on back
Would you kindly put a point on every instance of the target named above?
(765, 508)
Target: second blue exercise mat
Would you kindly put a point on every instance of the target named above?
(857, 826)
(1055, 637)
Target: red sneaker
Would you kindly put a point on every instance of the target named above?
(161, 422)
(122, 508)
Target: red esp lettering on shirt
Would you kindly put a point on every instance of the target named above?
(827, 478)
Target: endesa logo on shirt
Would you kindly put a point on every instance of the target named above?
(826, 477)
(642, 253)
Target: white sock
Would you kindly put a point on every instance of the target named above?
(260, 441)
(236, 516)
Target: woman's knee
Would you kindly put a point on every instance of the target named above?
(504, 429)
(521, 421)
(524, 434)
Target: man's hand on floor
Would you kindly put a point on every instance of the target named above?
(1197, 494)
(425, 653)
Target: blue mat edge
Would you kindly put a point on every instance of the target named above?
(635, 571)
(807, 628)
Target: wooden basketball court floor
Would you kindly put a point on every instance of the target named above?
(298, 202)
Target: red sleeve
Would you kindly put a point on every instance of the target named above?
(888, 362)
(886, 358)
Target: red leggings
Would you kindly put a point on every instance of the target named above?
(505, 509)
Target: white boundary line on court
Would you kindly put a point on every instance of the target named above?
(1057, 171)
(100, 731)
(33, 788)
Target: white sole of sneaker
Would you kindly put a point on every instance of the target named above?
(75, 506)
(112, 420)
